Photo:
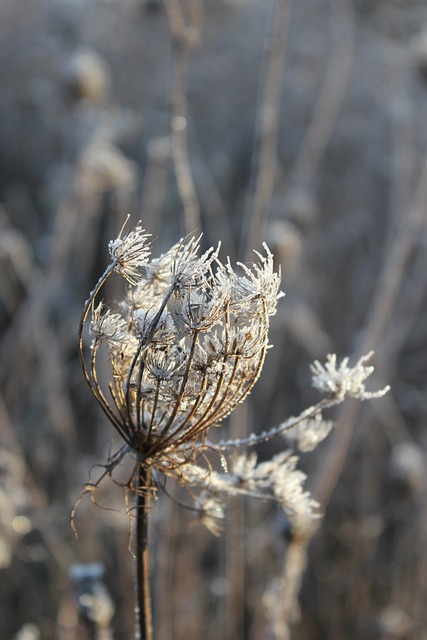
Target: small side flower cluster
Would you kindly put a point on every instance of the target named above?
(279, 479)
(185, 345)
(344, 380)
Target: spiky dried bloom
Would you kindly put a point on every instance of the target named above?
(185, 345)
(130, 253)
(344, 380)
(309, 433)
(277, 479)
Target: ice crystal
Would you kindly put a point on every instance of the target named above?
(344, 380)
(130, 253)
(309, 433)
(277, 479)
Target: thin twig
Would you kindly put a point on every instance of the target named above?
(182, 39)
(263, 170)
(330, 98)
(144, 622)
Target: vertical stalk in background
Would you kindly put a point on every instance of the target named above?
(183, 37)
(253, 229)
(144, 621)
(303, 171)
(330, 98)
(264, 164)
(388, 290)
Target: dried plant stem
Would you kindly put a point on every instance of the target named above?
(330, 98)
(181, 42)
(144, 621)
(236, 550)
(264, 166)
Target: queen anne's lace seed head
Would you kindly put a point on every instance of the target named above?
(185, 345)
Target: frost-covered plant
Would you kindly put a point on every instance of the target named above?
(184, 347)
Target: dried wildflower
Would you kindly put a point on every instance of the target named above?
(130, 253)
(277, 479)
(185, 345)
(309, 428)
(345, 380)
(309, 433)
(106, 325)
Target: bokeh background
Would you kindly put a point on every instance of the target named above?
(300, 123)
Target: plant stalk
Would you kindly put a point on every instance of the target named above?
(144, 621)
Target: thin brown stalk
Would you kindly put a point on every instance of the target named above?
(97, 392)
(144, 622)
(330, 98)
(142, 346)
(181, 42)
(194, 430)
(263, 171)
(236, 549)
(163, 437)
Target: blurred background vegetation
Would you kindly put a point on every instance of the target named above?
(300, 123)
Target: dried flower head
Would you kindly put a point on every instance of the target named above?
(185, 345)
(344, 380)
(130, 253)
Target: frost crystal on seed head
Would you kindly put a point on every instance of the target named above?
(260, 282)
(344, 380)
(130, 253)
(188, 269)
(107, 326)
